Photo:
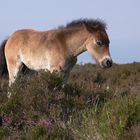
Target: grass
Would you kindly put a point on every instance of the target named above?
(96, 104)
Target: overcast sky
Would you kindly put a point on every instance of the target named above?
(121, 16)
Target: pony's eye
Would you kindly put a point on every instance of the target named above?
(99, 42)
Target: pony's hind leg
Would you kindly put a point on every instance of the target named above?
(14, 67)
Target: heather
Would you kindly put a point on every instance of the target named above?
(95, 104)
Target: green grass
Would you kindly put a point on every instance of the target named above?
(96, 104)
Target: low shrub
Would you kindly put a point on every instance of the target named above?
(94, 104)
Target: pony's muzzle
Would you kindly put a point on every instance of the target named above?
(107, 63)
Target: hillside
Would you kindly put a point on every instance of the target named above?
(96, 104)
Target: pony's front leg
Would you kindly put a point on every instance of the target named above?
(65, 79)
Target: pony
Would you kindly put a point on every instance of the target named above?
(57, 49)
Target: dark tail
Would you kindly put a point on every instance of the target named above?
(3, 65)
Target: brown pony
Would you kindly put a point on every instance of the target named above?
(57, 50)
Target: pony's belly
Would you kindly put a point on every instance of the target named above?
(36, 64)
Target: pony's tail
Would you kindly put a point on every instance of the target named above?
(3, 65)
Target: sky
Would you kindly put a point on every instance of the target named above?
(122, 18)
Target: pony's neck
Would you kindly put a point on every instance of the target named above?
(76, 41)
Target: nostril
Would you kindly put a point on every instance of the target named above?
(106, 63)
(109, 63)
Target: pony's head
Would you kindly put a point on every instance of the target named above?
(98, 42)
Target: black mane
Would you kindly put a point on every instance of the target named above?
(92, 23)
